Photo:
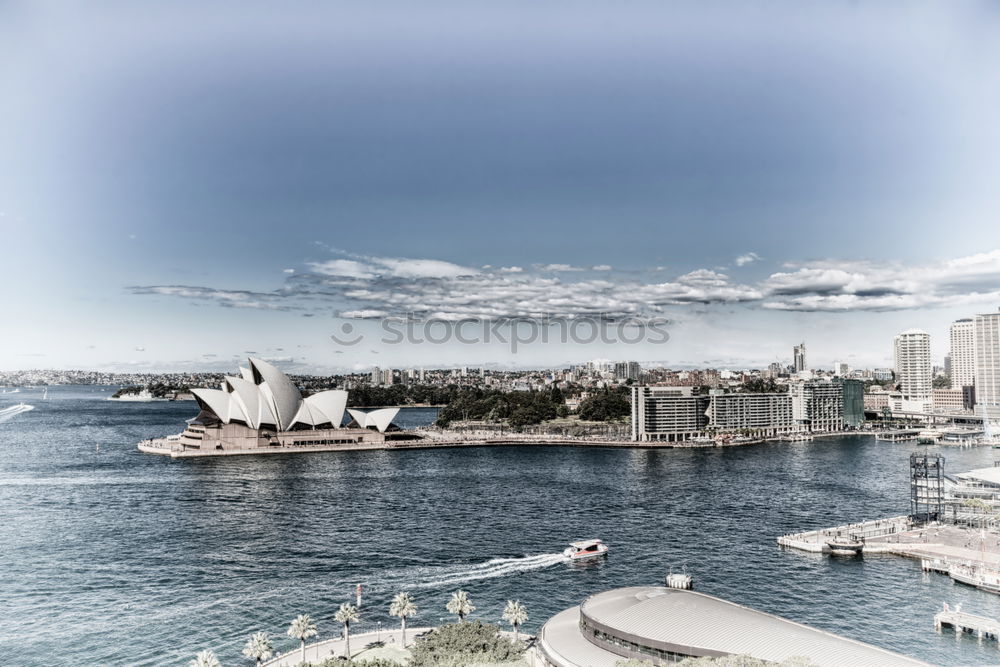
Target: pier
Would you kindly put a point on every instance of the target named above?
(969, 624)
(897, 436)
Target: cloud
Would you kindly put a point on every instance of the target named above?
(853, 285)
(557, 268)
(747, 258)
(139, 348)
(602, 267)
(288, 271)
(377, 287)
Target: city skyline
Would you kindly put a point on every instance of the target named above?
(238, 185)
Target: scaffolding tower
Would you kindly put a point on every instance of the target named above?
(927, 487)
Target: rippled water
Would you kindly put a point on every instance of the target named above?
(113, 557)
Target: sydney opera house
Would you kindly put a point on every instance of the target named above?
(263, 411)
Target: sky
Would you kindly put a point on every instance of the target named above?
(185, 184)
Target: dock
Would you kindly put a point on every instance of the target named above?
(897, 436)
(968, 624)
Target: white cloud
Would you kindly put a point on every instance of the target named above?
(747, 258)
(289, 271)
(602, 267)
(373, 287)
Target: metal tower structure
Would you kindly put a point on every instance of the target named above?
(927, 487)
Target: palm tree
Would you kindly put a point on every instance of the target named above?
(346, 614)
(460, 605)
(402, 606)
(258, 647)
(302, 628)
(205, 658)
(515, 614)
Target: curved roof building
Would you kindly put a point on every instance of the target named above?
(667, 625)
(264, 398)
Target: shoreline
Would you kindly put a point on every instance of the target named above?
(164, 447)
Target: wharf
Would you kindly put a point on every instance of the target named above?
(964, 623)
(171, 448)
(897, 436)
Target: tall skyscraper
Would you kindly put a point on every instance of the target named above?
(963, 353)
(799, 357)
(987, 356)
(912, 350)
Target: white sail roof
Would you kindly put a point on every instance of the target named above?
(264, 396)
(379, 419)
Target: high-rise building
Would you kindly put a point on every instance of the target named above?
(627, 370)
(912, 351)
(987, 355)
(799, 358)
(963, 353)
(376, 376)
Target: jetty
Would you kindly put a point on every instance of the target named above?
(897, 435)
(969, 624)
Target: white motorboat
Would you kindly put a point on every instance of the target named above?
(585, 549)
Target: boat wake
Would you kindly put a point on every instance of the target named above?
(7, 414)
(498, 567)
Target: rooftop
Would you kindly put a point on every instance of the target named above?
(693, 623)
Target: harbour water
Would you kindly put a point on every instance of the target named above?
(112, 557)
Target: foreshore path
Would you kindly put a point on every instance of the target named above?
(330, 648)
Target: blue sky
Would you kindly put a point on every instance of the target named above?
(180, 185)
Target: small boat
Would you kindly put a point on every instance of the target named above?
(585, 549)
(845, 546)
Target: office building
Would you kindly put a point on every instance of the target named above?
(799, 358)
(961, 360)
(987, 358)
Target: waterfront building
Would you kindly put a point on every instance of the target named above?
(852, 402)
(799, 358)
(667, 625)
(948, 400)
(912, 352)
(962, 355)
(818, 405)
(263, 409)
(876, 400)
(757, 415)
(987, 359)
(667, 414)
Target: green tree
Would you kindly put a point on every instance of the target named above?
(462, 644)
(460, 605)
(402, 607)
(205, 658)
(302, 628)
(515, 614)
(346, 615)
(258, 648)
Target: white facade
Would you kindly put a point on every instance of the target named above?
(668, 414)
(963, 353)
(987, 358)
(912, 351)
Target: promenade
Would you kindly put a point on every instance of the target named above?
(383, 641)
